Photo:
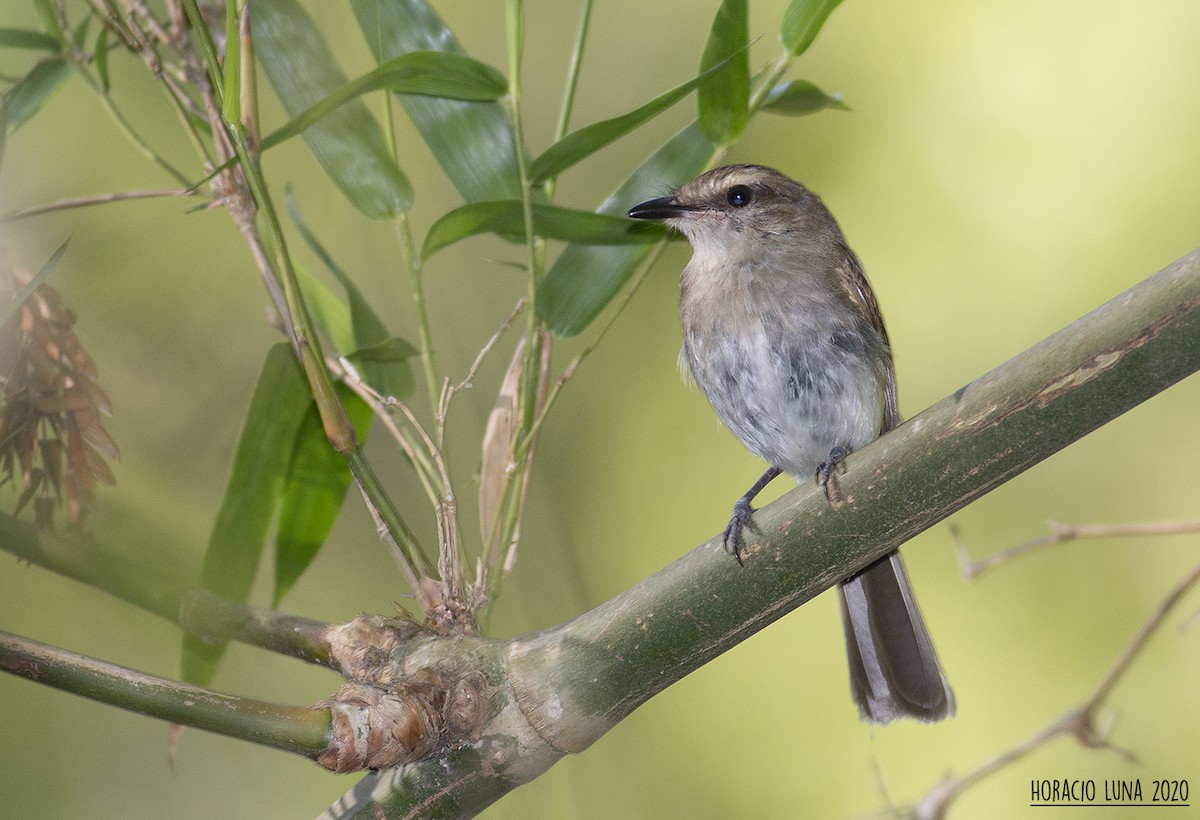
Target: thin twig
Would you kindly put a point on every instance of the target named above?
(87, 201)
(431, 446)
(1079, 722)
(343, 369)
(1061, 533)
(450, 391)
(446, 509)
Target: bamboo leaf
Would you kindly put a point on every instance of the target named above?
(101, 52)
(366, 326)
(358, 329)
(591, 138)
(385, 366)
(432, 73)
(34, 283)
(388, 351)
(203, 40)
(799, 97)
(550, 221)
(28, 39)
(50, 19)
(328, 311)
(802, 20)
(27, 95)
(264, 452)
(317, 481)
(79, 36)
(724, 101)
(348, 143)
(585, 278)
(472, 142)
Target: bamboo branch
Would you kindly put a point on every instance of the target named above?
(571, 683)
(295, 729)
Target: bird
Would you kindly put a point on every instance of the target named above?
(783, 334)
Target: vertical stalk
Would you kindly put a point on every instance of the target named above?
(564, 115)
(412, 261)
(531, 366)
(515, 23)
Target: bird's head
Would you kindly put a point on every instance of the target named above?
(733, 210)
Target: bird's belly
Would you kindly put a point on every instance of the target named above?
(791, 403)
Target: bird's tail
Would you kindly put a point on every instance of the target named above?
(894, 670)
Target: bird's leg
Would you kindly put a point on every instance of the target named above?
(826, 470)
(742, 511)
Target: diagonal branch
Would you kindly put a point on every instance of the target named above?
(566, 686)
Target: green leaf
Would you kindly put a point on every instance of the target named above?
(30, 92)
(802, 20)
(550, 221)
(79, 36)
(101, 52)
(316, 489)
(27, 38)
(800, 97)
(365, 325)
(591, 138)
(49, 14)
(385, 366)
(472, 142)
(348, 143)
(34, 283)
(432, 73)
(724, 101)
(264, 452)
(328, 311)
(389, 351)
(390, 376)
(585, 278)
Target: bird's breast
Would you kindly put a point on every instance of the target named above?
(793, 382)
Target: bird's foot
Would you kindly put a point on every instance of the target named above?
(732, 539)
(826, 474)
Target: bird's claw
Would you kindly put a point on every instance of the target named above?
(732, 539)
(825, 473)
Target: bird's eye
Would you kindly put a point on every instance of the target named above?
(739, 196)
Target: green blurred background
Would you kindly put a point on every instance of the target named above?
(1005, 169)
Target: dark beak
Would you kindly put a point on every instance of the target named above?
(665, 207)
